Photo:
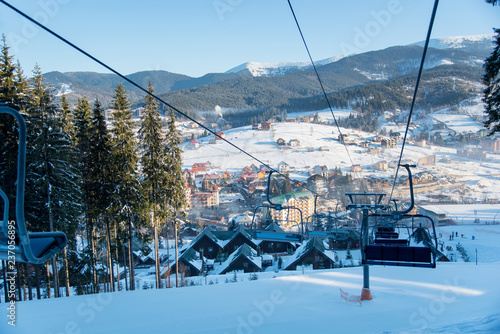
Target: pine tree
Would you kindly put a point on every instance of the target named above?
(52, 177)
(176, 195)
(491, 79)
(67, 118)
(125, 197)
(153, 162)
(100, 175)
(81, 141)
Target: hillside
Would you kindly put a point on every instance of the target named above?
(454, 177)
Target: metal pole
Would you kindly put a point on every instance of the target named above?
(366, 267)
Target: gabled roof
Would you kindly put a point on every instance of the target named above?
(274, 227)
(241, 229)
(313, 243)
(191, 257)
(243, 251)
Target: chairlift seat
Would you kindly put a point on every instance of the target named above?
(387, 235)
(390, 255)
(390, 241)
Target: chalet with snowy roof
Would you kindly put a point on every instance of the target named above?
(257, 126)
(281, 142)
(240, 236)
(190, 264)
(344, 239)
(293, 142)
(319, 170)
(242, 219)
(311, 253)
(220, 135)
(243, 259)
(207, 243)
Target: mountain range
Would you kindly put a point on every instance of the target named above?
(255, 86)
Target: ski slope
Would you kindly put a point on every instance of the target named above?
(456, 297)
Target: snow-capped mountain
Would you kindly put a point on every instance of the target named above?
(460, 42)
(259, 69)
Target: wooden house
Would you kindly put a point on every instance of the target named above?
(311, 253)
(190, 264)
(243, 259)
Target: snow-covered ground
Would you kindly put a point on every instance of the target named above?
(455, 297)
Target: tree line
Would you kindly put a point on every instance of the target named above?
(91, 176)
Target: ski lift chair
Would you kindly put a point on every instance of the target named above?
(277, 206)
(15, 241)
(388, 249)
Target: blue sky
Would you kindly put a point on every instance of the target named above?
(195, 37)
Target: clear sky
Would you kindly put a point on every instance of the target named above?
(196, 37)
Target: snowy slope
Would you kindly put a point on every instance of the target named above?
(258, 69)
(454, 298)
(458, 42)
(479, 177)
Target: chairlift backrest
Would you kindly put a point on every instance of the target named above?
(23, 246)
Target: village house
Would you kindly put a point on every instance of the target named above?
(283, 167)
(381, 165)
(316, 183)
(220, 135)
(356, 168)
(281, 142)
(199, 167)
(266, 126)
(311, 253)
(388, 143)
(206, 199)
(492, 145)
(293, 142)
(193, 144)
(243, 259)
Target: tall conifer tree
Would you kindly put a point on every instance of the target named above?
(153, 162)
(52, 177)
(125, 198)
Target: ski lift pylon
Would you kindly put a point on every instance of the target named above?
(15, 241)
